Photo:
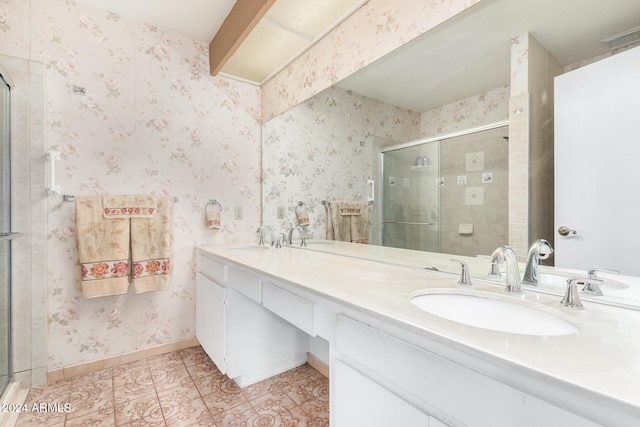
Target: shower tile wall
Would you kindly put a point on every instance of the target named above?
(29, 217)
(488, 212)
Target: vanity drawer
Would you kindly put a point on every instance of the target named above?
(211, 268)
(246, 283)
(381, 353)
(294, 309)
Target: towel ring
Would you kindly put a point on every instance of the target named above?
(301, 205)
(212, 202)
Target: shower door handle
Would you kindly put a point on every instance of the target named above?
(9, 236)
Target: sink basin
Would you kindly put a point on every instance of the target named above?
(490, 311)
(251, 248)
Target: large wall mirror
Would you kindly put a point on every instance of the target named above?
(458, 79)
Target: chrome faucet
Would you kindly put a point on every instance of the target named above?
(302, 233)
(540, 249)
(592, 283)
(273, 235)
(504, 254)
(465, 279)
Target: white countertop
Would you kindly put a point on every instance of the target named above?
(601, 361)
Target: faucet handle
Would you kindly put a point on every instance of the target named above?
(592, 272)
(465, 279)
(571, 299)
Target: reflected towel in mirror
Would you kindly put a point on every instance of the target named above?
(348, 221)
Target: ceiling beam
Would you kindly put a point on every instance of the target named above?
(244, 16)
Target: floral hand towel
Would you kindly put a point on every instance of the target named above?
(151, 240)
(129, 206)
(103, 249)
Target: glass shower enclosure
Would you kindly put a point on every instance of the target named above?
(5, 235)
(447, 194)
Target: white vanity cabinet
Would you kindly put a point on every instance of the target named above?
(421, 388)
(246, 341)
(390, 365)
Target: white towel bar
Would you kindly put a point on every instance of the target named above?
(70, 198)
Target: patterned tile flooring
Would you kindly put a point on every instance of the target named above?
(183, 388)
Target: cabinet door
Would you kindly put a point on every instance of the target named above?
(360, 401)
(211, 319)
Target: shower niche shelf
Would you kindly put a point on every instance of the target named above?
(422, 168)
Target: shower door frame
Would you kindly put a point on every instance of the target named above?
(7, 236)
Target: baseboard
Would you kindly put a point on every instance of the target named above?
(110, 362)
(318, 364)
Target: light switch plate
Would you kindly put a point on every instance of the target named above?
(280, 213)
(237, 212)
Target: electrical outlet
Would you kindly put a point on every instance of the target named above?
(280, 214)
(237, 212)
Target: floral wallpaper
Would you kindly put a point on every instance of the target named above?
(133, 110)
(323, 149)
(482, 109)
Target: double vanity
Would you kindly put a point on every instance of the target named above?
(407, 346)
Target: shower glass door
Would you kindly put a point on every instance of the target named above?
(448, 195)
(5, 237)
(411, 198)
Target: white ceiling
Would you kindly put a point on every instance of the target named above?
(198, 19)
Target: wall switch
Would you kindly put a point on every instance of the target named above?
(237, 212)
(280, 213)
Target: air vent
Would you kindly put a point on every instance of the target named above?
(622, 39)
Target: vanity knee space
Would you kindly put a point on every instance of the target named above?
(246, 341)
(296, 310)
(253, 327)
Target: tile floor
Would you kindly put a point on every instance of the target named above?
(183, 388)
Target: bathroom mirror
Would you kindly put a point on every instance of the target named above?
(454, 78)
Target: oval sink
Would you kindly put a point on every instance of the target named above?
(488, 311)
